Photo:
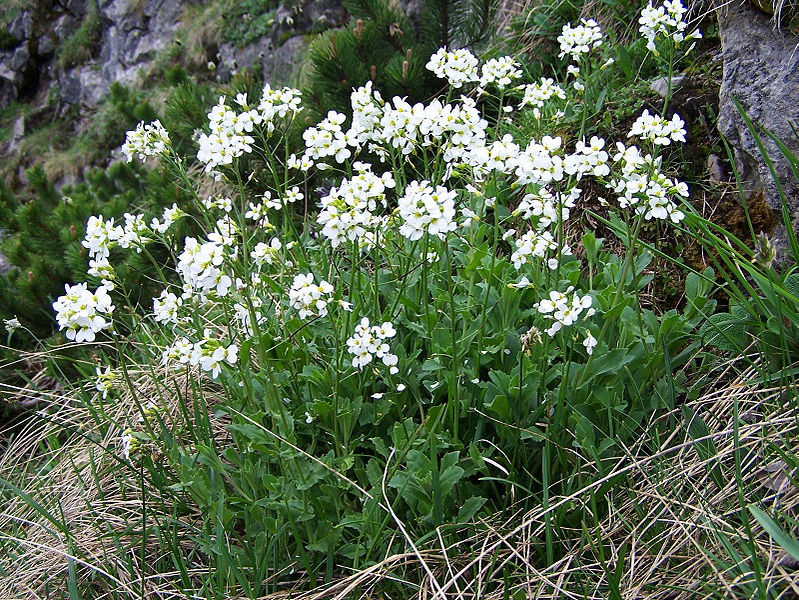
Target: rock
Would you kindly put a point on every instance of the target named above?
(232, 59)
(21, 26)
(278, 65)
(20, 58)
(761, 70)
(94, 86)
(8, 80)
(715, 169)
(45, 46)
(64, 26)
(18, 130)
(661, 85)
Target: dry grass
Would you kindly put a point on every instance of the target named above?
(664, 534)
(67, 460)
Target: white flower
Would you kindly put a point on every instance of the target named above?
(309, 297)
(424, 209)
(564, 311)
(535, 94)
(11, 324)
(581, 39)
(589, 342)
(664, 22)
(146, 140)
(82, 313)
(658, 130)
(368, 343)
(501, 71)
(457, 67)
(165, 307)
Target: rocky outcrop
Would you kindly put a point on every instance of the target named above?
(132, 34)
(761, 71)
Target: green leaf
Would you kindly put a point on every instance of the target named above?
(782, 539)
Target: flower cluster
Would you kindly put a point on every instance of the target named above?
(547, 208)
(266, 253)
(166, 306)
(456, 66)
(581, 39)
(82, 312)
(348, 209)
(563, 310)
(328, 139)
(642, 185)
(208, 353)
(170, 215)
(230, 131)
(425, 209)
(229, 137)
(369, 342)
(588, 158)
(501, 71)
(309, 297)
(658, 130)
(665, 22)
(200, 267)
(536, 94)
(536, 244)
(146, 140)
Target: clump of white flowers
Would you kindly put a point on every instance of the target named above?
(563, 310)
(82, 313)
(656, 129)
(579, 40)
(666, 21)
(369, 342)
(348, 209)
(229, 135)
(309, 297)
(146, 140)
(328, 140)
(501, 71)
(456, 66)
(169, 216)
(539, 245)
(641, 185)
(427, 209)
(166, 306)
(536, 94)
(209, 353)
(200, 266)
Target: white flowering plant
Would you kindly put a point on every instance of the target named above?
(407, 332)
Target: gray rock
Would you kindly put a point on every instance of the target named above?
(18, 130)
(232, 59)
(84, 85)
(20, 58)
(45, 47)
(279, 65)
(93, 86)
(661, 85)
(77, 8)
(761, 70)
(64, 26)
(21, 26)
(9, 80)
